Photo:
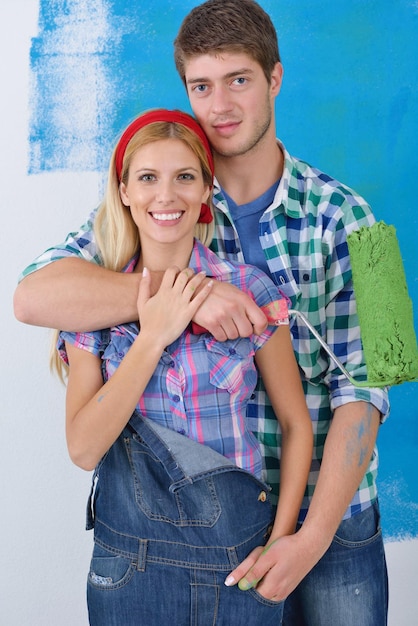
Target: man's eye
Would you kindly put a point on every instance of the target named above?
(240, 81)
(200, 88)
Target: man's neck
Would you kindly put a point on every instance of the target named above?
(248, 176)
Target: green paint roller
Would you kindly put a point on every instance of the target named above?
(384, 308)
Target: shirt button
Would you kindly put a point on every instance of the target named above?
(176, 398)
(262, 496)
(181, 431)
(171, 364)
(232, 351)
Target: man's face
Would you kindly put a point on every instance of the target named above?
(232, 100)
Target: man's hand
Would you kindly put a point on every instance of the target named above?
(229, 313)
(276, 569)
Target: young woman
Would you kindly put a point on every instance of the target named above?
(158, 407)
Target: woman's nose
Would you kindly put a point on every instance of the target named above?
(165, 192)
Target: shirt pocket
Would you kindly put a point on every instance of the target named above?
(115, 351)
(231, 364)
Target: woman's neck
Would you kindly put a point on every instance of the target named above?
(159, 257)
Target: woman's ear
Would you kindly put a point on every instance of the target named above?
(124, 194)
(206, 194)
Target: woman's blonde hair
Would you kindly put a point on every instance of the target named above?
(115, 231)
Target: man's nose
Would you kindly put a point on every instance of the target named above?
(221, 99)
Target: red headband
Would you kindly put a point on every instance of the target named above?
(160, 115)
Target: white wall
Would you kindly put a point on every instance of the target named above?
(44, 549)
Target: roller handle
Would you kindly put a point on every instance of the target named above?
(328, 350)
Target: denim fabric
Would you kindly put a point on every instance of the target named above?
(171, 519)
(349, 585)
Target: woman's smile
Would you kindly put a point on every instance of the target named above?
(166, 217)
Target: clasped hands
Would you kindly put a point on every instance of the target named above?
(224, 310)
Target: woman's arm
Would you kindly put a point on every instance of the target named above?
(280, 373)
(96, 413)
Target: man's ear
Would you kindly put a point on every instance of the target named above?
(124, 194)
(276, 79)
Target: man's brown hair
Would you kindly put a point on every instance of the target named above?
(218, 26)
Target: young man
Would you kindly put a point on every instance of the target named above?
(291, 220)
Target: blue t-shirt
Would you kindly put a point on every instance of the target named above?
(246, 219)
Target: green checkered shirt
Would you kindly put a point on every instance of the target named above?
(304, 238)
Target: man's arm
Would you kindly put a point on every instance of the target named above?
(76, 295)
(347, 453)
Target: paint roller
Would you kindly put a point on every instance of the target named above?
(384, 309)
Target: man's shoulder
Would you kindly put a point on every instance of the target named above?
(309, 190)
(305, 177)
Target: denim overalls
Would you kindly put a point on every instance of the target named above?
(171, 519)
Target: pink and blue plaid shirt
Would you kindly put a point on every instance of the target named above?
(201, 387)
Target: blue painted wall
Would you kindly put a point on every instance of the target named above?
(349, 105)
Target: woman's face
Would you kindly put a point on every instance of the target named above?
(165, 190)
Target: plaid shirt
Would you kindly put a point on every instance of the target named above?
(200, 387)
(303, 235)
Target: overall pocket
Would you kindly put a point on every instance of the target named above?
(191, 504)
(108, 570)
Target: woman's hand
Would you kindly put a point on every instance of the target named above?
(276, 569)
(166, 314)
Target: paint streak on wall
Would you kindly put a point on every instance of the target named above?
(70, 86)
(93, 69)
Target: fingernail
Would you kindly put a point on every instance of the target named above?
(145, 272)
(229, 581)
(244, 585)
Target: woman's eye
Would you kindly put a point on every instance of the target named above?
(147, 177)
(186, 176)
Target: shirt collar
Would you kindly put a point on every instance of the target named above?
(294, 205)
(203, 259)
